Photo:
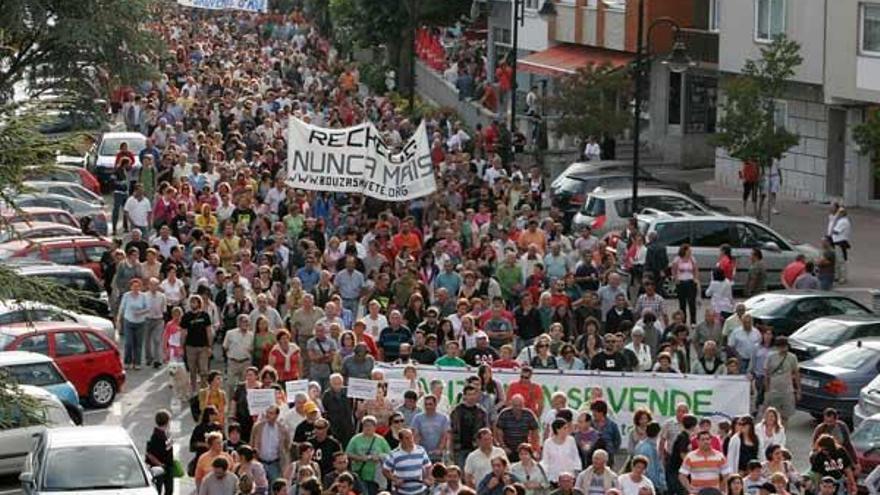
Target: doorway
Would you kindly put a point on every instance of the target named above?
(834, 173)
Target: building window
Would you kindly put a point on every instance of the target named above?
(769, 19)
(502, 36)
(532, 4)
(871, 29)
(714, 15)
(780, 114)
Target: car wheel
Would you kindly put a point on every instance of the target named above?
(669, 288)
(102, 392)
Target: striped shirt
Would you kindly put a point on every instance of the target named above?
(409, 468)
(705, 470)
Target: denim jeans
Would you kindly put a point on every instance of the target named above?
(119, 198)
(154, 327)
(133, 333)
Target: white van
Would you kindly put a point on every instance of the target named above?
(16, 439)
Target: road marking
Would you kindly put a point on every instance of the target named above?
(10, 491)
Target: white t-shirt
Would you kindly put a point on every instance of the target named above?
(629, 487)
(375, 326)
(479, 464)
(138, 211)
(173, 291)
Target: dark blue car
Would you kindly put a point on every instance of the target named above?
(835, 378)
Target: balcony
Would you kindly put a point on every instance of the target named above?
(702, 45)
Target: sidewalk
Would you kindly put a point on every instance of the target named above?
(804, 222)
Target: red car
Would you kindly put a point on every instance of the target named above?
(39, 214)
(85, 251)
(87, 357)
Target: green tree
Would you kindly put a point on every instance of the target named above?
(748, 129)
(370, 23)
(867, 137)
(18, 408)
(589, 102)
(74, 50)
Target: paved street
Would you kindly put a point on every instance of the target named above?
(146, 390)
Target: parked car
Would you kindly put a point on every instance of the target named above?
(39, 214)
(835, 378)
(17, 438)
(69, 189)
(866, 441)
(12, 311)
(788, 310)
(64, 173)
(569, 192)
(39, 370)
(91, 459)
(822, 334)
(73, 250)
(598, 167)
(869, 401)
(609, 209)
(102, 158)
(32, 230)
(89, 359)
(77, 208)
(91, 296)
(706, 233)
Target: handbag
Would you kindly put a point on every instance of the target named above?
(177, 469)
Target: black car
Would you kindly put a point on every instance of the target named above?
(787, 310)
(823, 334)
(91, 296)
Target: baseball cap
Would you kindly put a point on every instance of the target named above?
(481, 335)
(310, 407)
(369, 419)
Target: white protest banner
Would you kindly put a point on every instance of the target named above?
(396, 389)
(246, 5)
(359, 388)
(713, 396)
(357, 160)
(292, 387)
(259, 399)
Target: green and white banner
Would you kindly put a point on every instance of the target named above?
(713, 396)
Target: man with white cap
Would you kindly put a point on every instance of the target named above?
(482, 353)
(366, 451)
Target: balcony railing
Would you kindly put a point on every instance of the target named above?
(702, 45)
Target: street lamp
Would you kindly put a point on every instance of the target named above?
(678, 61)
(547, 10)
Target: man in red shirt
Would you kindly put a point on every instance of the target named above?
(406, 238)
(531, 392)
(490, 98)
(793, 270)
(490, 136)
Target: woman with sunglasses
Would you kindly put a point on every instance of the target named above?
(744, 446)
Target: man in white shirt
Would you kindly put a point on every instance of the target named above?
(138, 210)
(479, 462)
(592, 151)
(238, 344)
(632, 482)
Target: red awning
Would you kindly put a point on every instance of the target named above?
(566, 59)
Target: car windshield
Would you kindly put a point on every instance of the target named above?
(824, 332)
(765, 305)
(867, 435)
(5, 340)
(36, 374)
(594, 207)
(93, 468)
(110, 147)
(850, 357)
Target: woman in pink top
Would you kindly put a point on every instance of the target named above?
(686, 274)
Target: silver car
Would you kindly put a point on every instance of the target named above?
(706, 235)
(87, 459)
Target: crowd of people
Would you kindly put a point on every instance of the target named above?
(236, 282)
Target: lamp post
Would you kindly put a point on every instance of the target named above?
(677, 61)
(547, 10)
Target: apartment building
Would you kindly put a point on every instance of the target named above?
(829, 94)
(680, 109)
